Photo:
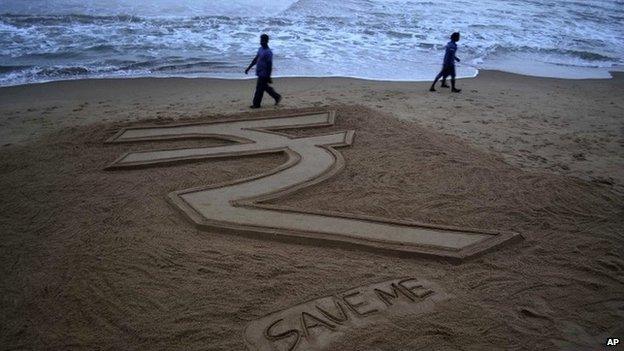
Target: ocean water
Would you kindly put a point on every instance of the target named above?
(43, 40)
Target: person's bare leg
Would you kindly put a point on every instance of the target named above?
(453, 89)
(435, 81)
(444, 85)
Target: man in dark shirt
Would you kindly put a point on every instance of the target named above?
(448, 67)
(264, 66)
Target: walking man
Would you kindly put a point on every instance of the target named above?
(448, 67)
(264, 66)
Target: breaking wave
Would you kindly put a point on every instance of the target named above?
(378, 39)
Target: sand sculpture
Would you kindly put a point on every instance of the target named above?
(240, 206)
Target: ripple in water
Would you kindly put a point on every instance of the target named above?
(377, 39)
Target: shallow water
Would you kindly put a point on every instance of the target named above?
(376, 39)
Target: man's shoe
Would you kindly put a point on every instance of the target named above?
(278, 100)
(253, 106)
(432, 89)
(455, 90)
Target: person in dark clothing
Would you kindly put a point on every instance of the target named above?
(264, 65)
(448, 67)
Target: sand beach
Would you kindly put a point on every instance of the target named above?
(98, 259)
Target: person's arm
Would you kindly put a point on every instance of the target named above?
(253, 62)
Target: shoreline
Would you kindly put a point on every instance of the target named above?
(611, 72)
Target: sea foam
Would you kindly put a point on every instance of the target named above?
(375, 39)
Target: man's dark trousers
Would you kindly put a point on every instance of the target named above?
(262, 85)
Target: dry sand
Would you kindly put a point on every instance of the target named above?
(93, 259)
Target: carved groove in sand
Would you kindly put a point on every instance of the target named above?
(240, 206)
(315, 324)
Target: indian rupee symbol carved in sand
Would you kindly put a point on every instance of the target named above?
(240, 206)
